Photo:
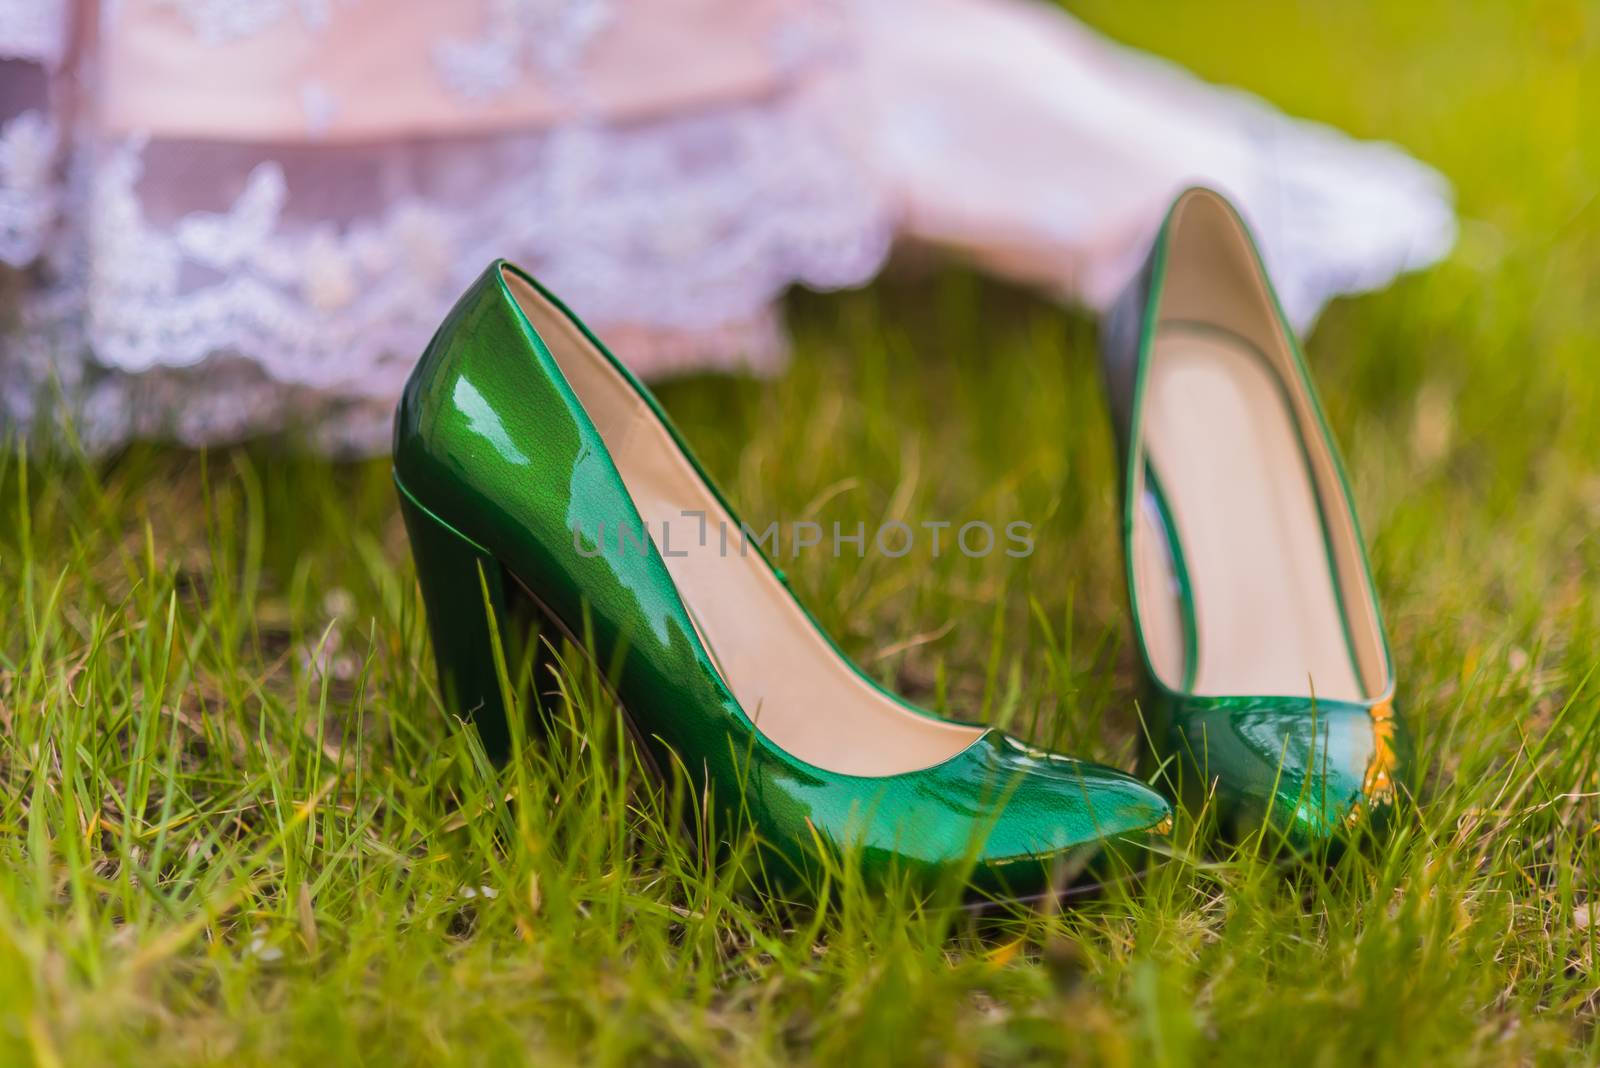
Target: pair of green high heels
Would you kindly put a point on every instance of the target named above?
(532, 466)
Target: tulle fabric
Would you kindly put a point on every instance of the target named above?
(230, 217)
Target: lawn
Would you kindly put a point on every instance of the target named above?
(236, 826)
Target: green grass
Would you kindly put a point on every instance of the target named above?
(236, 827)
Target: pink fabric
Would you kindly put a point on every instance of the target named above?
(167, 76)
(1016, 136)
(236, 216)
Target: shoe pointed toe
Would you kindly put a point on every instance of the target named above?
(1055, 811)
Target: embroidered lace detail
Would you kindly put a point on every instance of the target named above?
(261, 312)
(27, 194)
(548, 35)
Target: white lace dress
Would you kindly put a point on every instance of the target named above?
(227, 217)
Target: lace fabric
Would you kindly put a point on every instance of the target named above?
(207, 288)
(679, 234)
(28, 197)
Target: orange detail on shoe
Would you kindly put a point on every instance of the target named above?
(1378, 785)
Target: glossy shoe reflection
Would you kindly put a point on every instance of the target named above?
(1268, 673)
(530, 465)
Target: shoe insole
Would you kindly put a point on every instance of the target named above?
(796, 688)
(1242, 516)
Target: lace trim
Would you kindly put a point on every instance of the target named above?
(684, 225)
(680, 233)
(28, 197)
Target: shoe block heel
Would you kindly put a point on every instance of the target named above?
(455, 574)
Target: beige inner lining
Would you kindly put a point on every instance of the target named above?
(1233, 439)
(802, 695)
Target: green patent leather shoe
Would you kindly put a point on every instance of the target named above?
(1267, 672)
(525, 453)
